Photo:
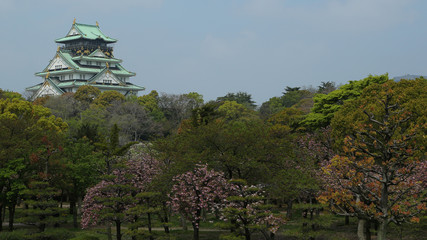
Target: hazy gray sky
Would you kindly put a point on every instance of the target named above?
(218, 46)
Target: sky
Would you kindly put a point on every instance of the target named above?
(215, 47)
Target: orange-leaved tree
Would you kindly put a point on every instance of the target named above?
(378, 175)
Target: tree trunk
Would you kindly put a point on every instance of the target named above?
(149, 225)
(3, 213)
(382, 231)
(62, 200)
(266, 235)
(118, 230)
(79, 205)
(166, 219)
(347, 220)
(183, 223)
(368, 230)
(247, 234)
(1, 218)
(361, 229)
(196, 230)
(11, 216)
(289, 209)
(109, 234)
(73, 208)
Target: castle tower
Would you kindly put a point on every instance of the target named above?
(84, 57)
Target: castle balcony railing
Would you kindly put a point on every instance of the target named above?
(86, 46)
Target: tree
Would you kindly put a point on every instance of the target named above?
(376, 177)
(290, 97)
(10, 95)
(64, 106)
(108, 97)
(196, 191)
(231, 110)
(150, 102)
(134, 122)
(326, 87)
(239, 148)
(246, 211)
(23, 126)
(325, 105)
(87, 93)
(240, 97)
(112, 199)
(178, 107)
(44, 208)
(82, 170)
(292, 174)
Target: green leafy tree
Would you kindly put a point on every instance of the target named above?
(10, 95)
(246, 212)
(87, 93)
(43, 208)
(290, 97)
(231, 110)
(108, 97)
(83, 167)
(150, 102)
(326, 87)
(325, 105)
(23, 126)
(240, 97)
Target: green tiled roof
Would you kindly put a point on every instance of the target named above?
(34, 88)
(55, 72)
(122, 72)
(86, 31)
(98, 59)
(68, 84)
(68, 58)
(54, 84)
(119, 87)
(78, 69)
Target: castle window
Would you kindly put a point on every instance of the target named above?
(98, 63)
(89, 63)
(107, 81)
(82, 76)
(57, 67)
(70, 76)
(62, 77)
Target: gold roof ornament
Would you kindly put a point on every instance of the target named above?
(97, 24)
(74, 21)
(57, 50)
(107, 65)
(47, 75)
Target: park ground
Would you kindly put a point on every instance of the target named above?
(326, 227)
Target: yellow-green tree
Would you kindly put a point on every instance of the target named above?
(23, 129)
(87, 93)
(108, 97)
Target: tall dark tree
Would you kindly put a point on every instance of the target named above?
(240, 97)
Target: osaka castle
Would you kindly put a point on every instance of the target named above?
(84, 57)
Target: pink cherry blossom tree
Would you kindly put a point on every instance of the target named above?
(196, 191)
(110, 199)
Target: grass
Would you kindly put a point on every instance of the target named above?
(328, 227)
